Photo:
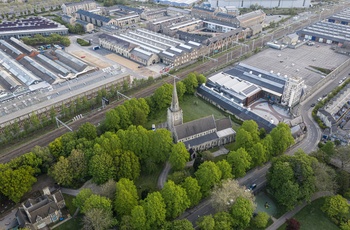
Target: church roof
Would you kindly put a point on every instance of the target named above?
(223, 123)
(200, 140)
(194, 127)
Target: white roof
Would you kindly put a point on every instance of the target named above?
(225, 132)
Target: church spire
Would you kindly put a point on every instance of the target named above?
(175, 101)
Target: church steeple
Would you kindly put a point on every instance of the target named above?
(174, 107)
(175, 116)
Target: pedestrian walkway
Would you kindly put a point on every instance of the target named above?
(279, 222)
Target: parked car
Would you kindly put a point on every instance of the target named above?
(313, 105)
(341, 81)
(252, 187)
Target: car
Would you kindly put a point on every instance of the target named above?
(313, 105)
(320, 99)
(82, 56)
(324, 95)
(252, 187)
(341, 81)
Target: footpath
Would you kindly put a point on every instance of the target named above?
(279, 222)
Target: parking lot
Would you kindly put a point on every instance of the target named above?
(298, 62)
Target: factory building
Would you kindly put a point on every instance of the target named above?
(326, 32)
(70, 8)
(148, 48)
(245, 84)
(30, 27)
(173, 11)
(207, 14)
(153, 14)
(262, 3)
(342, 17)
(158, 25)
(97, 20)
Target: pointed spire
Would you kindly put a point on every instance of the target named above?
(175, 101)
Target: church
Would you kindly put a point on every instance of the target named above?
(200, 134)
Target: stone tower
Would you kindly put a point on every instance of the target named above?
(174, 116)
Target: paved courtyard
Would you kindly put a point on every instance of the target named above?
(273, 113)
(297, 62)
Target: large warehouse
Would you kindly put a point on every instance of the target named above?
(263, 3)
(30, 27)
(147, 47)
(244, 84)
(326, 32)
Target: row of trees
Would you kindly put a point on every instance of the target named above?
(52, 39)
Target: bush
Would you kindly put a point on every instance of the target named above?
(82, 42)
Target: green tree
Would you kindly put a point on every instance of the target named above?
(261, 220)
(336, 207)
(242, 211)
(206, 223)
(282, 138)
(101, 168)
(243, 140)
(191, 83)
(223, 221)
(127, 165)
(178, 156)
(201, 79)
(46, 157)
(28, 159)
(208, 174)
(108, 189)
(193, 190)
(162, 96)
(252, 128)
(155, 210)
(240, 160)
(175, 199)
(79, 165)
(109, 142)
(126, 197)
(15, 183)
(98, 219)
(88, 131)
(180, 225)
(34, 120)
(82, 196)
(225, 195)
(225, 168)
(96, 201)
(138, 218)
(325, 177)
(124, 117)
(180, 89)
(62, 172)
(258, 154)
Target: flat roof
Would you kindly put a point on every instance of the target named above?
(167, 19)
(328, 30)
(184, 24)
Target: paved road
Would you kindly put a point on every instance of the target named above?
(162, 177)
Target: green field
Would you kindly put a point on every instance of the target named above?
(74, 223)
(312, 218)
(193, 108)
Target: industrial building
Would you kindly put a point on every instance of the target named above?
(179, 3)
(70, 8)
(153, 14)
(97, 20)
(326, 32)
(23, 67)
(30, 27)
(262, 3)
(173, 11)
(148, 48)
(158, 25)
(72, 20)
(252, 20)
(342, 17)
(207, 14)
(244, 84)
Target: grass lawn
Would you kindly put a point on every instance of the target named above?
(312, 218)
(219, 158)
(148, 182)
(193, 108)
(74, 223)
(69, 203)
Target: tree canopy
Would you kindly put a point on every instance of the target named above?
(208, 174)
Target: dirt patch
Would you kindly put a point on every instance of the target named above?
(123, 61)
(93, 60)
